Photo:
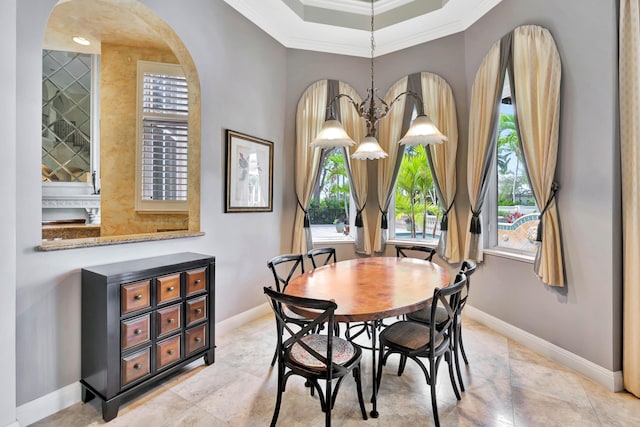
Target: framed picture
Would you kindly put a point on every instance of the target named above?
(249, 173)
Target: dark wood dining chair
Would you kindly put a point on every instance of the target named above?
(415, 340)
(424, 316)
(322, 256)
(415, 251)
(284, 268)
(315, 357)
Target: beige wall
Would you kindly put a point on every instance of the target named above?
(118, 143)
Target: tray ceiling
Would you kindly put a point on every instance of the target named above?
(343, 26)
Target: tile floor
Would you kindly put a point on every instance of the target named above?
(506, 385)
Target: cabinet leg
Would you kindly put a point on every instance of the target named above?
(110, 409)
(209, 357)
(87, 394)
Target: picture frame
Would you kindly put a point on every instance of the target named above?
(249, 173)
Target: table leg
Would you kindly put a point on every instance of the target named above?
(374, 411)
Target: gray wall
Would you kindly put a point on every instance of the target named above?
(243, 81)
(585, 318)
(8, 214)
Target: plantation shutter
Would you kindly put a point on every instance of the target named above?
(165, 137)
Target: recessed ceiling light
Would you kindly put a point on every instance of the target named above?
(81, 40)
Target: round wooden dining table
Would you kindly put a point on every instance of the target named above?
(372, 289)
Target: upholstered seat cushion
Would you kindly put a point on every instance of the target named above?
(424, 315)
(343, 351)
(408, 335)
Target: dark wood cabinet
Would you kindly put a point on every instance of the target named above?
(142, 320)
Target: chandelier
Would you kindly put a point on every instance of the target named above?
(421, 132)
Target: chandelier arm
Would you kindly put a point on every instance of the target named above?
(338, 96)
(414, 95)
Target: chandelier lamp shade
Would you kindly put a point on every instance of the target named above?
(373, 109)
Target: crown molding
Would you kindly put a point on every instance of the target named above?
(283, 24)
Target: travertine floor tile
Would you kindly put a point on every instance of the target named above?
(506, 385)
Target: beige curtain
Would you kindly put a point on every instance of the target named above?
(537, 72)
(629, 83)
(440, 105)
(355, 127)
(389, 133)
(309, 119)
(482, 116)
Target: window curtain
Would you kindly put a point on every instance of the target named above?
(356, 170)
(310, 117)
(536, 96)
(439, 104)
(390, 131)
(483, 126)
(629, 83)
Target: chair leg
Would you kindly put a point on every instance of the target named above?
(276, 411)
(449, 360)
(434, 404)
(464, 355)
(456, 345)
(356, 376)
(402, 364)
(275, 356)
(328, 403)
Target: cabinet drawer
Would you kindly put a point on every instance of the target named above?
(195, 338)
(134, 331)
(168, 319)
(196, 281)
(196, 310)
(168, 288)
(135, 366)
(134, 296)
(168, 351)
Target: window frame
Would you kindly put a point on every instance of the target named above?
(489, 215)
(156, 206)
(339, 238)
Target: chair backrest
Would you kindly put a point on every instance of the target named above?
(323, 314)
(425, 253)
(284, 268)
(322, 256)
(449, 299)
(468, 268)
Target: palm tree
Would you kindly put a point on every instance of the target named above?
(507, 146)
(336, 177)
(414, 187)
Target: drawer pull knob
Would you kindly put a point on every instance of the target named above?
(170, 289)
(137, 331)
(170, 352)
(197, 282)
(137, 366)
(198, 310)
(138, 297)
(172, 320)
(197, 339)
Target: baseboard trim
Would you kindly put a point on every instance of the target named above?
(611, 380)
(48, 404)
(60, 399)
(234, 322)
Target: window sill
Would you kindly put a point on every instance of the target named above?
(337, 241)
(57, 245)
(414, 242)
(517, 256)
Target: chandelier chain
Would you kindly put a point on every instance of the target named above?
(373, 44)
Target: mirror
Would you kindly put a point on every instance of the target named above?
(97, 143)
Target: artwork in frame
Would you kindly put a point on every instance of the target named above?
(249, 173)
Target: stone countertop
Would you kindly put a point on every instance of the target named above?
(56, 245)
